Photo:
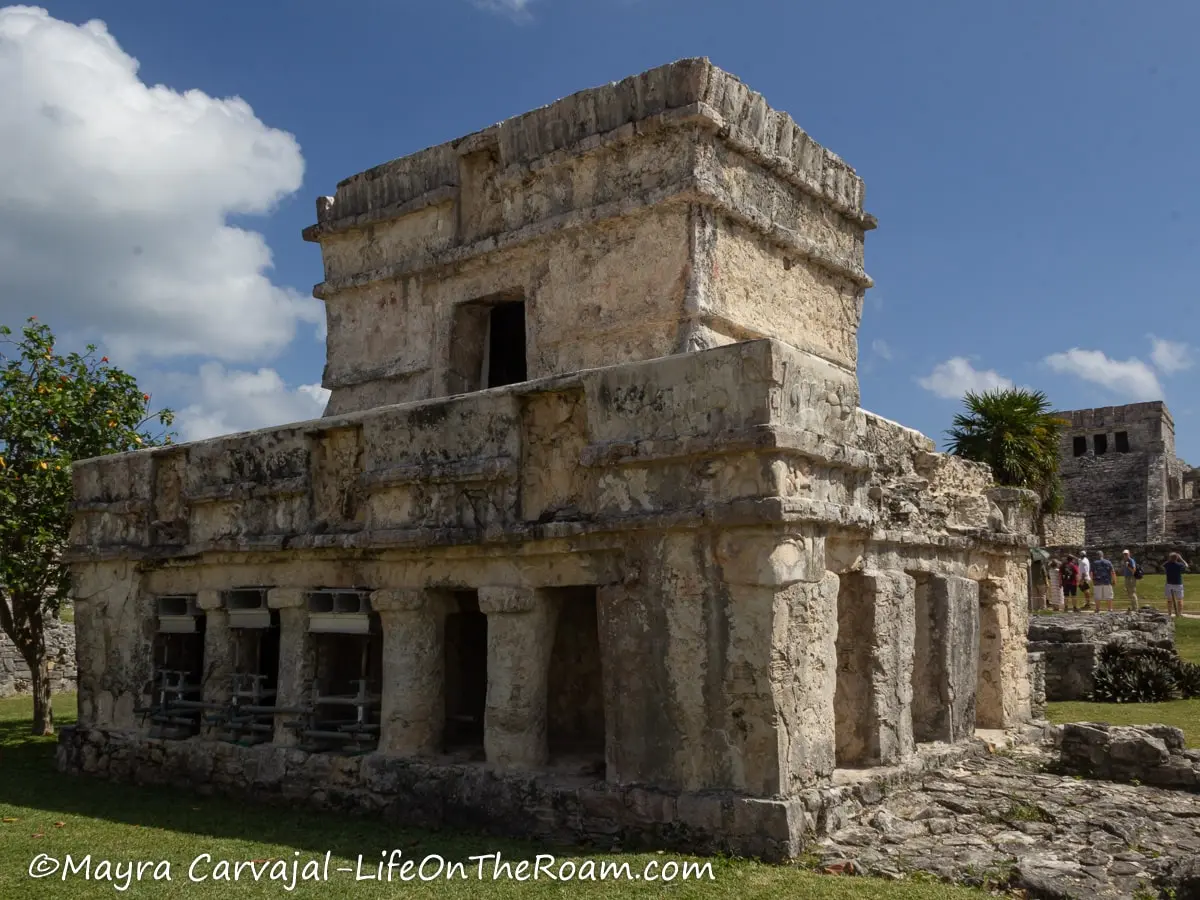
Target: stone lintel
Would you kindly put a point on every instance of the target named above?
(287, 597)
(770, 560)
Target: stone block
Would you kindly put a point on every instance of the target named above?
(702, 811)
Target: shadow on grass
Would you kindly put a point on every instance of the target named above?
(31, 780)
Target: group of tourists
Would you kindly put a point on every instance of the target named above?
(1078, 578)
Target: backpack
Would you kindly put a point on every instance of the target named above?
(1137, 572)
(1069, 575)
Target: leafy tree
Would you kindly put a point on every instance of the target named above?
(54, 410)
(1014, 431)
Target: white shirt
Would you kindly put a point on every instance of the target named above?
(1085, 569)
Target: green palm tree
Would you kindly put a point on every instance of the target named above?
(1014, 431)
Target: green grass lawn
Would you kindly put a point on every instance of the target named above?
(42, 812)
(1183, 714)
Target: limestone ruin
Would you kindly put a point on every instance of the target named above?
(1123, 485)
(594, 539)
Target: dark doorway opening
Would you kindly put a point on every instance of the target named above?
(575, 701)
(506, 344)
(1080, 445)
(1122, 441)
(487, 343)
(1101, 443)
(466, 651)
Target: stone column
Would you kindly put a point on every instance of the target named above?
(875, 632)
(413, 708)
(114, 643)
(773, 699)
(521, 624)
(1003, 694)
(89, 660)
(946, 663)
(218, 653)
(297, 662)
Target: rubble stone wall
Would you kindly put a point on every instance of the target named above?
(1145, 754)
(1064, 530)
(60, 651)
(1070, 645)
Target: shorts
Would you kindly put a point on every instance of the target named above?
(1174, 591)
(1069, 590)
(1104, 592)
(1085, 588)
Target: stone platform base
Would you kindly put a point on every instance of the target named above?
(542, 806)
(1015, 824)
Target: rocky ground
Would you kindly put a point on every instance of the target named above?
(1009, 822)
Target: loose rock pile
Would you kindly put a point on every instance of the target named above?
(1147, 754)
(1012, 821)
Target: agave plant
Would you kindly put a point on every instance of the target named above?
(1188, 676)
(1141, 675)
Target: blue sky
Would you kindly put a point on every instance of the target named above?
(1030, 165)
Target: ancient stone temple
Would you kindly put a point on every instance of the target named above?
(594, 538)
(1123, 485)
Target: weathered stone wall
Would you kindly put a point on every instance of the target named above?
(60, 652)
(1070, 645)
(1064, 530)
(1183, 520)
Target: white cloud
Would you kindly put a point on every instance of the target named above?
(955, 377)
(230, 400)
(115, 197)
(1130, 379)
(518, 9)
(881, 349)
(1171, 356)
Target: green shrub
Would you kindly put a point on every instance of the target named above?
(1188, 677)
(1141, 675)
